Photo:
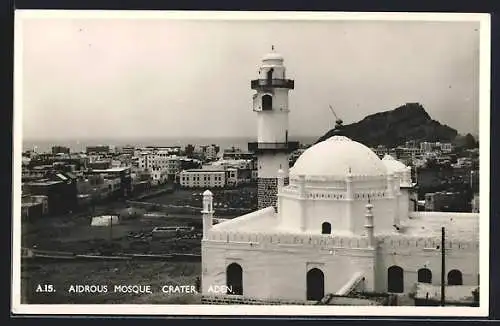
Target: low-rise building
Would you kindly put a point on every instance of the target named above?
(99, 149)
(235, 153)
(33, 207)
(127, 149)
(121, 173)
(60, 149)
(444, 201)
(59, 189)
(209, 177)
(100, 165)
(243, 168)
(436, 146)
(407, 153)
(380, 150)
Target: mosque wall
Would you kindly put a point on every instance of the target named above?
(320, 211)
(412, 255)
(264, 268)
(325, 205)
(268, 257)
(290, 216)
(404, 205)
(383, 215)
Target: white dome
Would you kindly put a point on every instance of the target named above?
(392, 165)
(337, 156)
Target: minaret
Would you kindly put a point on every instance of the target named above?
(369, 225)
(208, 212)
(272, 147)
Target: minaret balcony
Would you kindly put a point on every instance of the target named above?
(262, 84)
(259, 147)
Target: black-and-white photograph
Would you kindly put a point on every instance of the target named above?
(230, 161)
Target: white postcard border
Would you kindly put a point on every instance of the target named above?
(251, 310)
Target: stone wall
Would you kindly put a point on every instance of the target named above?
(267, 191)
(234, 299)
(186, 209)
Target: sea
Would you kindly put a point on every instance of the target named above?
(80, 145)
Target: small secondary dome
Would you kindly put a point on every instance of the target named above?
(393, 165)
(337, 156)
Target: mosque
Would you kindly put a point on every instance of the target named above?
(341, 219)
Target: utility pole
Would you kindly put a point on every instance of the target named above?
(443, 268)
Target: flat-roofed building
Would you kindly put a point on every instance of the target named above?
(203, 178)
(61, 194)
(99, 149)
(123, 173)
(209, 177)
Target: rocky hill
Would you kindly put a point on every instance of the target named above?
(395, 127)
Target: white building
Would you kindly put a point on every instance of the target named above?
(243, 168)
(430, 146)
(344, 221)
(446, 147)
(210, 152)
(426, 146)
(343, 218)
(209, 177)
(162, 164)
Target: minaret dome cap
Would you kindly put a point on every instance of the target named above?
(272, 56)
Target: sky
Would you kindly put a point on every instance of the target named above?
(129, 78)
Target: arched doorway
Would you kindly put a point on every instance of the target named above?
(267, 102)
(455, 277)
(326, 228)
(395, 279)
(424, 275)
(234, 279)
(315, 284)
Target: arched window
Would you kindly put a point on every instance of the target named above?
(315, 284)
(269, 74)
(395, 279)
(455, 277)
(424, 275)
(234, 279)
(326, 228)
(267, 102)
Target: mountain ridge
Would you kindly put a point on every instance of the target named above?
(394, 127)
